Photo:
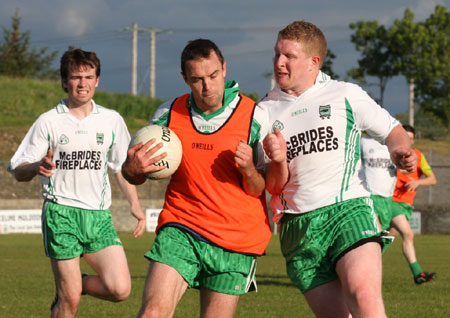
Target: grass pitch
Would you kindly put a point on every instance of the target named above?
(27, 288)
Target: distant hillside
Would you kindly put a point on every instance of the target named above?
(23, 100)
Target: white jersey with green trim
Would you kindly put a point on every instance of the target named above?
(379, 173)
(322, 129)
(82, 152)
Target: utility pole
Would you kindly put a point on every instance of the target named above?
(411, 102)
(152, 70)
(134, 55)
(134, 49)
(152, 61)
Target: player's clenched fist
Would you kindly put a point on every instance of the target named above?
(46, 165)
(244, 156)
(275, 146)
(404, 159)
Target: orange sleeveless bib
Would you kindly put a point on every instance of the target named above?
(205, 193)
(400, 193)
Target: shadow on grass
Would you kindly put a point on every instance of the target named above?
(273, 280)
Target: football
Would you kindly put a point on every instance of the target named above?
(171, 145)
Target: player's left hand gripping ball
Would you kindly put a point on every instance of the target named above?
(171, 145)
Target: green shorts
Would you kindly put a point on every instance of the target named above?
(383, 209)
(69, 232)
(399, 208)
(202, 264)
(313, 242)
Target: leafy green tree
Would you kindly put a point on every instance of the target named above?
(423, 57)
(409, 38)
(16, 58)
(327, 66)
(252, 95)
(433, 81)
(372, 40)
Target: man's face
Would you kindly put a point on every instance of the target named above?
(80, 85)
(293, 70)
(206, 78)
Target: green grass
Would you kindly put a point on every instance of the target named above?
(27, 288)
(23, 100)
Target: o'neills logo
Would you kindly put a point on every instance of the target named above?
(165, 134)
(202, 146)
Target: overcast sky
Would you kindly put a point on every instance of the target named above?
(245, 31)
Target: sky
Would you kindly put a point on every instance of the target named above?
(244, 30)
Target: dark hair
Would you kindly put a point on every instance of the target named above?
(74, 58)
(409, 128)
(200, 48)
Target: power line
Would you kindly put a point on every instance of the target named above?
(112, 34)
(153, 32)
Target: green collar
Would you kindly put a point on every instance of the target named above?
(231, 90)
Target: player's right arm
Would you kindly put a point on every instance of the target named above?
(27, 171)
(399, 146)
(35, 152)
(277, 173)
(139, 161)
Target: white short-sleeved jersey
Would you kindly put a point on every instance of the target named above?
(379, 173)
(82, 152)
(322, 129)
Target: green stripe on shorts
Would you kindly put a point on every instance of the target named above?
(383, 209)
(312, 242)
(202, 264)
(69, 232)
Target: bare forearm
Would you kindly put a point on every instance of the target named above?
(277, 175)
(132, 179)
(26, 171)
(397, 139)
(428, 180)
(128, 190)
(399, 146)
(253, 182)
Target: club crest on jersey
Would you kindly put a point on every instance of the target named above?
(277, 124)
(100, 138)
(63, 139)
(325, 111)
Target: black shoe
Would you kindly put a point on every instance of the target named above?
(54, 302)
(424, 277)
(83, 275)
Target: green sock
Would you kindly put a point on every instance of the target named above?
(415, 268)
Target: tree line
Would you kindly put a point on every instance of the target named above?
(418, 51)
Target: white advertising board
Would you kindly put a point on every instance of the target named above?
(20, 221)
(152, 219)
(415, 222)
